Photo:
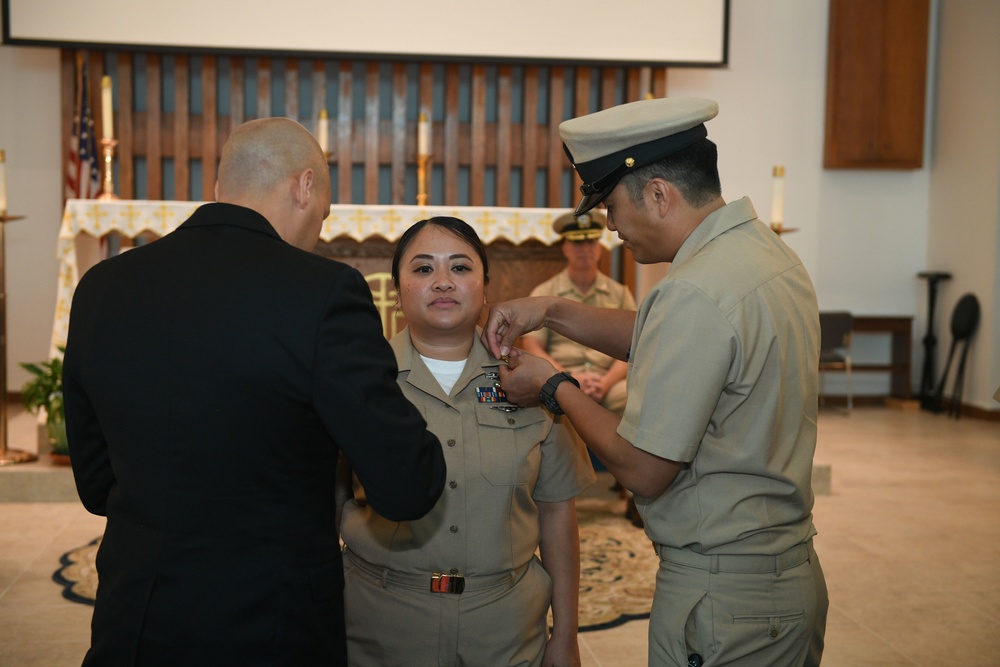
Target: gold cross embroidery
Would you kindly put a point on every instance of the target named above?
(360, 218)
(131, 214)
(95, 213)
(162, 214)
(485, 219)
(392, 218)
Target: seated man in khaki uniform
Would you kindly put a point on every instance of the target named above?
(600, 376)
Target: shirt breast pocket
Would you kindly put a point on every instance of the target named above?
(510, 444)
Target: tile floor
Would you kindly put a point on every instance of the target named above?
(909, 538)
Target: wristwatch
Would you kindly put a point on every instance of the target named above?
(548, 393)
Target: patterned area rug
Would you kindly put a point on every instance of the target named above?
(617, 573)
(78, 573)
(617, 569)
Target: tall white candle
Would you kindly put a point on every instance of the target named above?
(3, 183)
(778, 195)
(107, 111)
(323, 131)
(423, 135)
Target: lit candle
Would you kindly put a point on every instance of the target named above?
(423, 135)
(778, 196)
(323, 131)
(107, 111)
(3, 183)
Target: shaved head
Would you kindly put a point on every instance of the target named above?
(276, 167)
(261, 154)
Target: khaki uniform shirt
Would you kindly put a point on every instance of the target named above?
(723, 377)
(499, 464)
(605, 293)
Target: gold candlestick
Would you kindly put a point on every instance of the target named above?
(423, 161)
(108, 191)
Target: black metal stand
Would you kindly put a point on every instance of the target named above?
(929, 399)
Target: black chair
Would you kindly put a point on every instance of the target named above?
(835, 347)
(964, 320)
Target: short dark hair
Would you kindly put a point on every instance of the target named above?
(694, 171)
(459, 228)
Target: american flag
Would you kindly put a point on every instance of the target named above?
(83, 178)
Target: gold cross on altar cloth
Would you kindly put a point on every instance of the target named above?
(95, 213)
(485, 219)
(162, 214)
(361, 218)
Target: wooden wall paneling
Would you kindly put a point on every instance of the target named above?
(634, 88)
(529, 143)
(209, 126)
(95, 70)
(124, 128)
(555, 157)
(345, 80)
(452, 154)
(154, 128)
(67, 105)
(318, 82)
(404, 143)
(371, 132)
(182, 129)
(609, 88)
(237, 92)
(504, 134)
(659, 82)
(263, 88)
(95, 65)
(581, 107)
(477, 138)
(425, 105)
(292, 93)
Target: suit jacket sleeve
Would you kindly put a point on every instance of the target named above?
(87, 445)
(382, 434)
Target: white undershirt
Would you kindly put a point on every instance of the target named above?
(445, 372)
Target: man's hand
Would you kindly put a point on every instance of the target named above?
(523, 378)
(592, 384)
(510, 319)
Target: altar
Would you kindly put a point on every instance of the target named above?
(520, 242)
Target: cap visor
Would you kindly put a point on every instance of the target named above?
(590, 201)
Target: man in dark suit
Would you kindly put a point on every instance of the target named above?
(212, 378)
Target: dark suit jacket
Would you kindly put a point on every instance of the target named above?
(211, 378)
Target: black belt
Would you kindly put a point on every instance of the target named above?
(737, 564)
(436, 582)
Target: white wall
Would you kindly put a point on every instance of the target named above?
(30, 136)
(964, 210)
(863, 235)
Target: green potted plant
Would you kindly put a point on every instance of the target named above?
(45, 391)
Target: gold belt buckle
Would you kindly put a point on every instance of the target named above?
(447, 583)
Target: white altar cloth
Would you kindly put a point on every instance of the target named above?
(95, 218)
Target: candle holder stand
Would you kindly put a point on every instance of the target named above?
(108, 191)
(423, 161)
(7, 456)
(779, 228)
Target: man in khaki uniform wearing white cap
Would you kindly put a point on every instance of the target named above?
(719, 429)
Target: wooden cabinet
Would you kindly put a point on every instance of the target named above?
(876, 84)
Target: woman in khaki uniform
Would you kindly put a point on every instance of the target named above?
(463, 585)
